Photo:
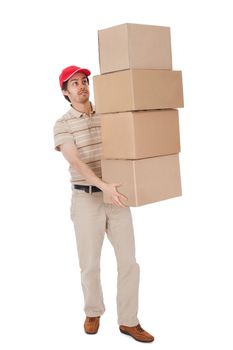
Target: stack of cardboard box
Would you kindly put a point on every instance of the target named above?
(137, 95)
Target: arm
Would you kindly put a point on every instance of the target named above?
(71, 154)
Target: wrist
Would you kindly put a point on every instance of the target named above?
(102, 185)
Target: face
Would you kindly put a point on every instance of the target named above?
(77, 88)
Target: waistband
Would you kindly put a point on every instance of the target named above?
(87, 188)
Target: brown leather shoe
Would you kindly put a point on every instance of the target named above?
(91, 325)
(137, 333)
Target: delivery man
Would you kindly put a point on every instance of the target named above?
(77, 134)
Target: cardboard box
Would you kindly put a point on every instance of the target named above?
(138, 89)
(145, 180)
(134, 46)
(142, 134)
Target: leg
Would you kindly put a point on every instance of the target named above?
(88, 216)
(121, 235)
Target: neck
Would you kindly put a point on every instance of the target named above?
(85, 107)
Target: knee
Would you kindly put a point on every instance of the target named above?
(129, 267)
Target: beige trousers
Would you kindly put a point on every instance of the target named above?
(92, 218)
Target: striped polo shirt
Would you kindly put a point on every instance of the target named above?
(85, 132)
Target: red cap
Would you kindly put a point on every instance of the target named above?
(67, 73)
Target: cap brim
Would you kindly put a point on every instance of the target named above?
(80, 70)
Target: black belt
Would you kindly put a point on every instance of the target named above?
(86, 188)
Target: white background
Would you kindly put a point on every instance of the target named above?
(184, 245)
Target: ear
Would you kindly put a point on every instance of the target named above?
(65, 92)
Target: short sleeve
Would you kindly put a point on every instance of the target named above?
(61, 134)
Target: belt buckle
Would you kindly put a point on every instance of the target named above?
(90, 189)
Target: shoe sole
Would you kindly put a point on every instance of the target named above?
(91, 333)
(141, 341)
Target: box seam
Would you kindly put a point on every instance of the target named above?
(131, 88)
(135, 182)
(99, 51)
(134, 133)
(127, 38)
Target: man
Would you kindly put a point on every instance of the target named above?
(78, 136)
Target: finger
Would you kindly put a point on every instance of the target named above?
(114, 200)
(118, 184)
(122, 196)
(121, 204)
(117, 202)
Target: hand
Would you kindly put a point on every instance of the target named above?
(115, 197)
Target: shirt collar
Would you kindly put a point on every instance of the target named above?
(78, 114)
